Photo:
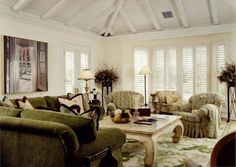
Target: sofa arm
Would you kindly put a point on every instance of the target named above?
(207, 110)
(111, 107)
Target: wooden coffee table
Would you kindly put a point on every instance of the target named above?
(148, 134)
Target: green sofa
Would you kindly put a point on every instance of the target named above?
(33, 137)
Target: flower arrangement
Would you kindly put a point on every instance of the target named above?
(120, 116)
(106, 76)
(228, 74)
(95, 91)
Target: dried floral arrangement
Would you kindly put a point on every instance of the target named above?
(106, 76)
(228, 74)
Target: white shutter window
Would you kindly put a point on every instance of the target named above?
(159, 69)
(220, 58)
(140, 60)
(187, 72)
(201, 84)
(69, 71)
(84, 54)
(171, 69)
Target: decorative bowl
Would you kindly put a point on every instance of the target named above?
(120, 120)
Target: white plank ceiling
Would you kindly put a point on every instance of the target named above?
(115, 17)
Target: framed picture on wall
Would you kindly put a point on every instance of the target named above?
(25, 65)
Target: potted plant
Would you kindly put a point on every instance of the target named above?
(106, 76)
(228, 74)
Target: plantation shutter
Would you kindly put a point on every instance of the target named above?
(140, 60)
(69, 71)
(171, 69)
(187, 72)
(159, 69)
(201, 84)
(220, 58)
(84, 54)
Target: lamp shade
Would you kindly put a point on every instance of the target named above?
(145, 70)
(86, 74)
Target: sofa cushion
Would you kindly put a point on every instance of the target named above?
(53, 103)
(6, 102)
(38, 102)
(84, 127)
(190, 117)
(106, 137)
(12, 112)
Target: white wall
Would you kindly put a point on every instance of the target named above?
(120, 52)
(55, 38)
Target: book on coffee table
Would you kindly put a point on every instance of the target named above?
(146, 121)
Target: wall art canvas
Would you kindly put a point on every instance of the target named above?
(25, 65)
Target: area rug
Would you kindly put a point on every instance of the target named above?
(171, 154)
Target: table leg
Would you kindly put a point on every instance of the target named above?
(151, 147)
(178, 133)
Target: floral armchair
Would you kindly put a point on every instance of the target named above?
(201, 115)
(165, 101)
(122, 100)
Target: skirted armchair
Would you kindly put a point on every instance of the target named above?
(122, 100)
(165, 101)
(201, 115)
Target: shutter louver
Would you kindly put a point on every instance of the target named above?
(159, 68)
(84, 62)
(187, 72)
(140, 60)
(171, 69)
(220, 55)
(201, 69)
(69, 71)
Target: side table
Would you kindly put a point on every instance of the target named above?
(95, 102)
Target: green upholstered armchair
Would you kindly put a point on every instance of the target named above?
(201, 115)
(122, 100)
(165, 101)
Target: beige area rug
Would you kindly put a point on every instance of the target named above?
(173, 154)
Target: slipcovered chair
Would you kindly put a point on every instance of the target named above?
(165, 101)
(122, 100)
(201, 115)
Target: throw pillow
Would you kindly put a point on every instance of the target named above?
(7, 102)
(69, 106)
(24, 103)
(77, 99)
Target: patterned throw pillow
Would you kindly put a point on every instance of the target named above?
(24, 103)
(73, 105)
(6, 102)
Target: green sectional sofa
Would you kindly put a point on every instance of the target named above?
(39, 137)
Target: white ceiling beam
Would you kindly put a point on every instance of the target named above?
(113, 17)
(100, 17)
(127, 19)
(152, 15)
(181, 11)
(53, 9)
(20, 4)
(213, 9)
(87, 10)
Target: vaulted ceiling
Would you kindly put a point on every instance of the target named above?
(115, 17)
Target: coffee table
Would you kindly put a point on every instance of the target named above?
(149, 134)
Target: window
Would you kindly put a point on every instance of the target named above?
(164, 68)
(195, 73)
(220, 63)
(69, 71)
(140, 60)
(75, 59)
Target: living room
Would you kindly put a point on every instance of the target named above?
(186, 51)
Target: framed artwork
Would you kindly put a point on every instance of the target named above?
(25, 65)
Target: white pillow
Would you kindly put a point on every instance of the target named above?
(75, 100)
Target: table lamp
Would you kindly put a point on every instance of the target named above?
(145, 70)
(86, 75)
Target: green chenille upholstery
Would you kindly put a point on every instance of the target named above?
(107, 137)
(84, 127)
(26, 142)
(12, 112)
(122, 100)
(52, 102)
(201, 115)
(37, 102)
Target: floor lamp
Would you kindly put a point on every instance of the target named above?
(86, 75)
(145, 70)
